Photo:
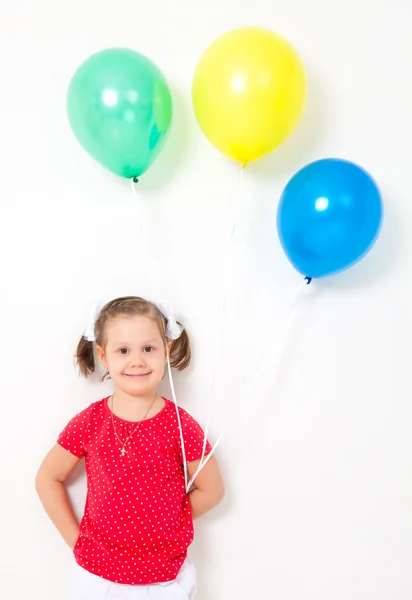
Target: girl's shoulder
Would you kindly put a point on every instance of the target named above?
(185, 417)
(75, 433)
(94, 409)
(170, 409)
(98, 408)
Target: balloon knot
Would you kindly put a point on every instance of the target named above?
(308, 280)
(243, 165)
(135, 180)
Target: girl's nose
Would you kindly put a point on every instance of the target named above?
(138, 359)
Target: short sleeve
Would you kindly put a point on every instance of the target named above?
(73, 436)
(193, 437)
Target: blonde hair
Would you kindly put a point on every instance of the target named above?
(130, 306)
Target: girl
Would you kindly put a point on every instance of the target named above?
(132, 541)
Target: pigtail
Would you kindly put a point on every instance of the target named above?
(85, 357)
(180, 352)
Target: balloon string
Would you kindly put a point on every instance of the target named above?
(133, 182)
(227, 271)
(240, 205)
(242, 200)
(203, 461)
(271, 367)
(220, 340)
(179, 422)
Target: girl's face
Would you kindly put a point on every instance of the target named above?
(134, 354)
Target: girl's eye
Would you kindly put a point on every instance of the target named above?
(148, 349)
(123, 351)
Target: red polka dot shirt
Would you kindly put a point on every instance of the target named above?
(137, 523)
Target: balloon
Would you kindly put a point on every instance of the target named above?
(329, 217)
(249, 92)
(120, 109)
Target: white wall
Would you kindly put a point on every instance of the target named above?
(318, 461)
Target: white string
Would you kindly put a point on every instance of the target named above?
(227, 271)
(220, 337)
(203, 461)
(182, 442)
(240, 205)
(272, 365)
(138, 203)
(134, 194)
(242, 201)
(239, 218)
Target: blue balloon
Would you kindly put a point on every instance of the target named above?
(329, 217)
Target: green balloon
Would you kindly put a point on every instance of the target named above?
(120, 109)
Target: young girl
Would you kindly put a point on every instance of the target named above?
(133, 538)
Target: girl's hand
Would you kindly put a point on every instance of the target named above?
(72, 539)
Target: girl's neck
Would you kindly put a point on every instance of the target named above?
(134, 408)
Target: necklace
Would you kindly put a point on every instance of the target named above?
(123, 444)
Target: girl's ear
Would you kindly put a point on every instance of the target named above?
(101, 355)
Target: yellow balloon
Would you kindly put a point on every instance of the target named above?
(249, 92)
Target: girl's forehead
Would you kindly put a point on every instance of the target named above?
(136, 325)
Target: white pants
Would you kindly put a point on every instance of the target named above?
(86, 586)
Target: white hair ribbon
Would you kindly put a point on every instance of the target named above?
(89, 331)
(173, 329)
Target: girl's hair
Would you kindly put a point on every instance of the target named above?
(130, 306)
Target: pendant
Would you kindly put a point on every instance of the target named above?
(123, 452)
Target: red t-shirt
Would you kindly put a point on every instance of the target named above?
(137, 523)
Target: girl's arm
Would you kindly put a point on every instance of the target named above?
(50, 487)
(209, 487)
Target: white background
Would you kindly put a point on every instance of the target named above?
(318, 461)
